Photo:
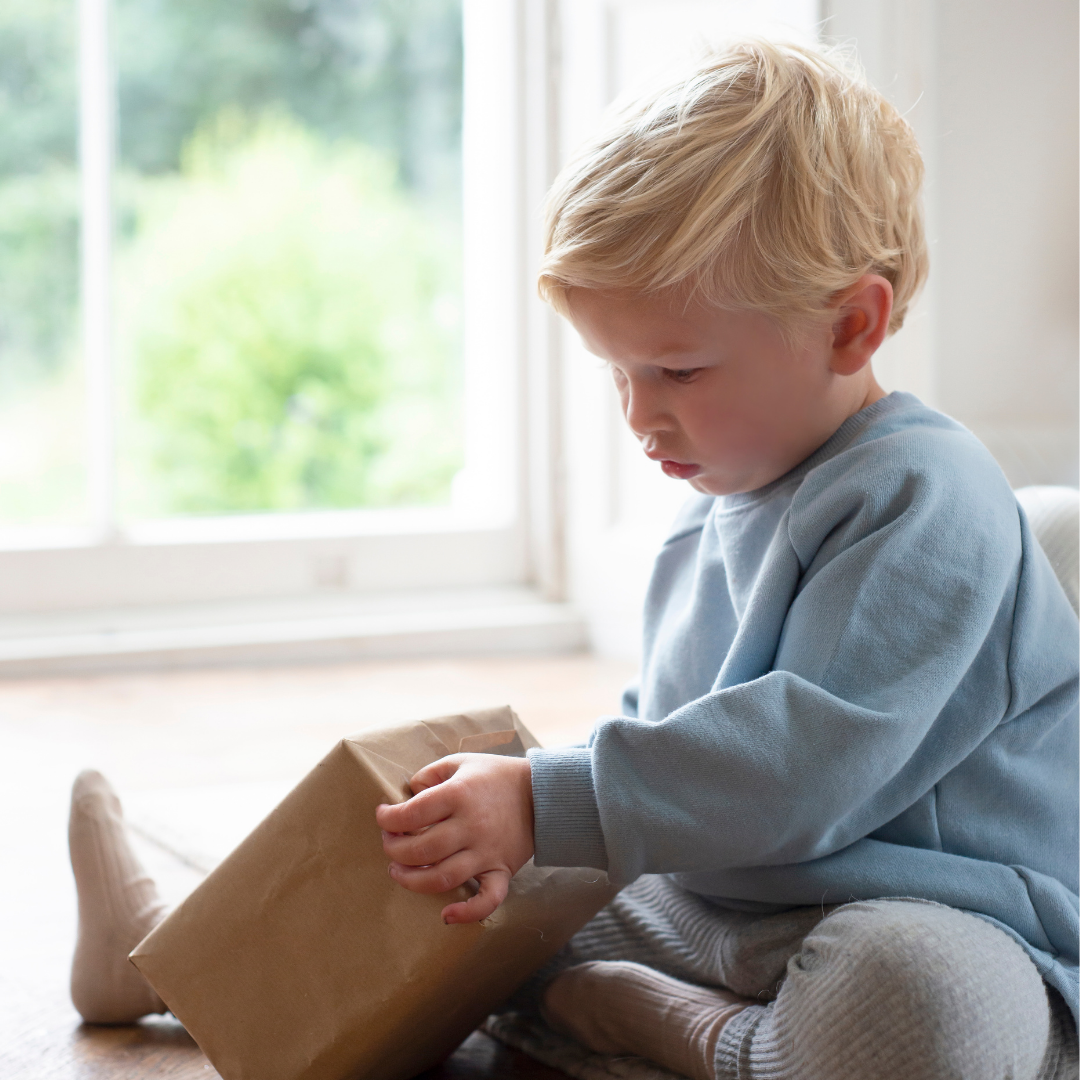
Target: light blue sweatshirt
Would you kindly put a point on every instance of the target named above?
(859, 681)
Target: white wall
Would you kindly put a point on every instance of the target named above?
(1006, 259)
(990, 88)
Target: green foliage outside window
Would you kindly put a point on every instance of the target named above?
(42, 477)
(39, 192)
(290, 271)
(287, 265)
(290, 313)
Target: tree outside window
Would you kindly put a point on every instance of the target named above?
(287, 256)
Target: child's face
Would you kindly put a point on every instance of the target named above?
(719, 398)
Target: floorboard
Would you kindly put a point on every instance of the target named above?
(154, 732)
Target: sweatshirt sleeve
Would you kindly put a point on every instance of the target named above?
(871, 659)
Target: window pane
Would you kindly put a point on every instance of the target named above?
(288, 266)
(42, 472)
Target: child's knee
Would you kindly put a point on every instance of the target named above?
(914, 990)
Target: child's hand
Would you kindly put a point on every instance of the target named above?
(471, 816)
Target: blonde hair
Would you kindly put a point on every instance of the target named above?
(770, 179)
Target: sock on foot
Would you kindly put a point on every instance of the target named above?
(118, 907)
(617, 1007)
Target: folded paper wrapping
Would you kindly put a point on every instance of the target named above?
(299, 958)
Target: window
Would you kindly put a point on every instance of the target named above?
(287, 255)
(247, 348)
(42, 385)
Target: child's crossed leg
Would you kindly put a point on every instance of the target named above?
(872, 990)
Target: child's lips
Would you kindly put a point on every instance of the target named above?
(678, 470)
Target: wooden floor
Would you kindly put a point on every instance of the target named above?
(150, 733)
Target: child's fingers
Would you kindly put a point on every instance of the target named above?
(494, 885)
(416, 813)
(435, 773)
(442, 877)
(426, 847)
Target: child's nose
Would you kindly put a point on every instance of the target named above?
(643, 409)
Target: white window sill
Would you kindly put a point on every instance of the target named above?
(339, 627)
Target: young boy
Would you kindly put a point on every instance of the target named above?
(860, 673)
(843, 798)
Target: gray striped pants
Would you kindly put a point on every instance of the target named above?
(871, 990)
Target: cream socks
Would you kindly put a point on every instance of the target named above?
(118, 907)
(617, 1007)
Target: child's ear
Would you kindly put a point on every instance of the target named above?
(860, 323)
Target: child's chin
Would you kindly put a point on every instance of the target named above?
(710, 485)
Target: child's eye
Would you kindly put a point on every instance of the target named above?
(681, 375)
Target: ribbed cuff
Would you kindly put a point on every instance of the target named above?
(746, 1047)
(567, 830)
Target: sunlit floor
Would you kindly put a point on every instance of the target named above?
(152, 733)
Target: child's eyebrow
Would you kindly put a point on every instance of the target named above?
(681, 357)
(670, 352)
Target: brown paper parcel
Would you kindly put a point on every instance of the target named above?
(298, 958)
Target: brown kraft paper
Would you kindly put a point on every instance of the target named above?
(299, 958)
